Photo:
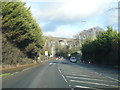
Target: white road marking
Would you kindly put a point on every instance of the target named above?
(108, 77)
(69, 85)
(79, 75)
(96, 72)
(93, 83)
(16, 72)
(62, 75)
(86, 76)
(88, 79)
(86, 87)
(64, 78)
(25, 69)
(82, 86)
(112, 78)
(75, 72)
(59, 70)
(50, 63)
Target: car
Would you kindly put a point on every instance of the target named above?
(73, 59)
(56, 58)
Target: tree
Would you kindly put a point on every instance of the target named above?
(101, 49)
(20, 28)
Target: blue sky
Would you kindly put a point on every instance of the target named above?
(65, 18)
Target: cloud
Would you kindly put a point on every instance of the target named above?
(72, 9)
(62, 31)
(80, 9)
(112, 16)
(48, 27)
(69, 12)
(55, 17)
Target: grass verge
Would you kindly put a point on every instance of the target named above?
(6, 74)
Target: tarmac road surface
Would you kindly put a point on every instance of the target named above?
(64, 74)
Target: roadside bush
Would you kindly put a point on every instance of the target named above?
(12, 55)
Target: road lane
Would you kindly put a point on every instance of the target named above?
(82, 76)
(102, 69)
(61, 74)
(43, 76)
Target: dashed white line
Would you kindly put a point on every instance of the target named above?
(93, 83)
(62, 75)
(69, 85)
(64, 78)
(59, 70)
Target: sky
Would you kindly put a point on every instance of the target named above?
(66, 18)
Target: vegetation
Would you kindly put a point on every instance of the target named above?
(6, 74)
(21, 30)
(104, 49)
(65, 51)
(23, 39)
(12, 55)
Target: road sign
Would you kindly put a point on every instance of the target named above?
(46, 53)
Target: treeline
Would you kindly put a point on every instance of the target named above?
(21, 30)
(67, 52)
(104, 49)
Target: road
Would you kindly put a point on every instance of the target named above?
(64, 74)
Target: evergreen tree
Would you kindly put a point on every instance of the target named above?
(20, 27)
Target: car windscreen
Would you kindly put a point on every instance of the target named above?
(73, 58)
